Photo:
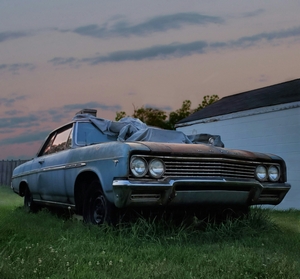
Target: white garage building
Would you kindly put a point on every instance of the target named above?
(265, 120)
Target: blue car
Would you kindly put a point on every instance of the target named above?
(97, 167)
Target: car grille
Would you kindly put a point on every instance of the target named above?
(209, 168)
(204, 167)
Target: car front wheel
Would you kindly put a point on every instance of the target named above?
(29, 204)
(97, 209)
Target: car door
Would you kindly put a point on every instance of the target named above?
(52, 160)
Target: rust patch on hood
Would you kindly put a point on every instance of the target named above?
(205, 150)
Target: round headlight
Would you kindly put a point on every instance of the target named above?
(138, 166)
(156, 168)
(261, 173)
(273, 173)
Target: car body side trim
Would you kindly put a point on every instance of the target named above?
(67, 166)
(58, 204)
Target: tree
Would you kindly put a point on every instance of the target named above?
(151, 116)
(119, 115)
(207, 100)
(179, 114)
(159, 118)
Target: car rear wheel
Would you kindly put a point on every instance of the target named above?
(97, 209)
(29, 204)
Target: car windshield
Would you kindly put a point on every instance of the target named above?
(87, 134)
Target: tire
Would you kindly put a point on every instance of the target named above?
(97, 209)
(29, 204)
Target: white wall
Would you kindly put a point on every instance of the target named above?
(271, 131)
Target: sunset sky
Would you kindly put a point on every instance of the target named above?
(59, 56)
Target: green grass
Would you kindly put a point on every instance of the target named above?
(8, 200)
(42, 245)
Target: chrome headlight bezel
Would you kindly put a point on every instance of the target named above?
(156, 164)
(261, 173)
(274, 173)
(268, 172)
(138, 166)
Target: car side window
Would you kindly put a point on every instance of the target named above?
(48, 146)
(58, 141)
(61, 141)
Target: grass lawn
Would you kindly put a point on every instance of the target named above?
(42, 245)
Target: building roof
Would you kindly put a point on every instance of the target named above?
(282, 93)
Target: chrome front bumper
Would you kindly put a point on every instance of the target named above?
(177, 192)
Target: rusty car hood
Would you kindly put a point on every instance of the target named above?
(203, 150)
